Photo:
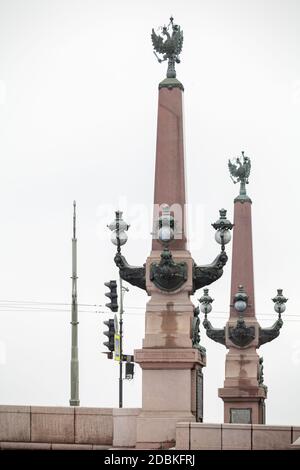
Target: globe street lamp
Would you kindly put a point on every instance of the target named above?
(205, 303)
(166, 226)
(240, 300)
(118, 227)
(279, 303)
(222, 227)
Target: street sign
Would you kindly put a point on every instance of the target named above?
(117, 347)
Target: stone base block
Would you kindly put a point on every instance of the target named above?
(158, 430)
(243, 405)
(124, 431)
(206, 436)
(296, 433)
(93, 425)
(52, 424)
(236, 437)
(270, 437)
(296, 445)
(25, 446)
(14, 423)
(183, 436)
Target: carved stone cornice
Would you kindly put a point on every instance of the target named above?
(181, 358)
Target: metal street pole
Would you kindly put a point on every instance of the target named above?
(121, 347)
(74, 398)
(118, 238)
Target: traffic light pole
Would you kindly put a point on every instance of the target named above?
(121, 347)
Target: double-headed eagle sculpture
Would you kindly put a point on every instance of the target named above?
(240, 172)
(170, 47)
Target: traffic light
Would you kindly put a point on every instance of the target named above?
(112, 295)
(110, 333)
(129, 370)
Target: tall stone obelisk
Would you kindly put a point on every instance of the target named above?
(171, 357)
(168, 360)
(243, 395)
(244, 392)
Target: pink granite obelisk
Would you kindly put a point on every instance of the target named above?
(242, 256)
(170, 365)
(169, 184)
(242, 393)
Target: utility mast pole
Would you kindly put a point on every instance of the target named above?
(74, 399)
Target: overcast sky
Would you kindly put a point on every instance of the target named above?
(78, 110)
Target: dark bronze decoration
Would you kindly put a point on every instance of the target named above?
(168, 275)
(205, 275)
(135, 275)
(241, 335)
(196, 332)
(169, 46)
(216, 334)
(239, 173)
(268, 334)
(260, 374)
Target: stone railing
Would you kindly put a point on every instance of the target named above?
(199, 436)
(49, 427)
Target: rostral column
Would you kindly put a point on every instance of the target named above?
(244, 391)
(171, 357)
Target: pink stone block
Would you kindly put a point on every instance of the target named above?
(205, 436)
(236, 437)
(167, 390)
(295, 445)
(124, 426)
(296, 433)
(52, 424)
(24, 446)
(266, 437)
(15, 423)
(159, 427)
(71, 447)
(93, 425)
(99, 447)
(183, 436)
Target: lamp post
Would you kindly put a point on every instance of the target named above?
(166, 225)
(119, 238)
(222, 227)
(279, 303)
(240, 300)
(205, 303)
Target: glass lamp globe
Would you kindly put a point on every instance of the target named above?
(205, 308)
(279, 308)
(165, 234)
(112, 225)
(223, 236)
(122, 238)
(122, 225)
(240, 305)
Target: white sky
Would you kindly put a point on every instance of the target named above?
(78, 94)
